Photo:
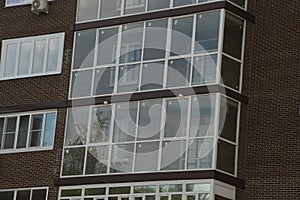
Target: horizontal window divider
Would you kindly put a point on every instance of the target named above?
(25, 150)
(164, 14)
(157, 176)
(231, 57)
(227, 141)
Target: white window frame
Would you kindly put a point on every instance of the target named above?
(21, 3)
(27, 148)
(31, 190)
(32, 39)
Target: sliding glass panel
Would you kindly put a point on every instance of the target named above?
(23, 195)
(39, 194)
(73, 161)
(146, 156)
(52, 59)
(104, 81)
(107, 49)
(23, 131)
(241, 3)
(158, 4)
(231, 72)
(122, 158)
(81, 83)
(200, 154)
(7, 195)
(226, 157)
(87, 10)
(110, 8)
(183, 2)
(96, 162)
(152, 76)
(134, 6)
(179, 73)
(205, 70)
(39, 56)
(24, 61)
(9, 135)
(173, 155)
(10, 60)
(36, 130)
(128, 79)
(101, 122)
(49, 129)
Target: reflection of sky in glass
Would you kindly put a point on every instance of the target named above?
(13, 1)
(49, 129)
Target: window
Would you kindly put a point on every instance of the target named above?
(17, 2)
(25, 194)
(32, 56)
(27, 131)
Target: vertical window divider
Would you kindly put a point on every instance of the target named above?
(188, 131)
(95, 61)
(237, 138)
(163, 120)
(136, 135)
(29, 130)
(118, 54)
(31, 191)
(193, 49)
(3, 56)
(146, 5)
(31, 58)
(16, 132)
(17, 58)
(216, 129)
(123, 2)
(171, 3)
(3, 132)
(242, 55)
(15, 194)
(142, 55)
(167, 53)
(43, 130)
(220, 46)
(99, 9)
(87, 139)
(110, 145)
(46, 55)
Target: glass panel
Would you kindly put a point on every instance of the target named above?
(10, 62)
(202, 120)
(9, 137)
(134, 6)
(87, 10)
(204, 188)
(39, 195)
(1, 130)
(125, 122)
(131, 48)
(226, 157)
(204, 197)
(11, 124)
(228, 119)
(233, 36)
(7, 195)
(9, 140)
(110, 8)
(152, 76)
(182, 34)
(200, 154)
(77, 126)
(23, 195)
(39, 56)
(176, 116)
(35, 138)
(179, 73)
(183, 2)
(158, 4)
(95, 191)
(173, 155)
(150, 197)
(128, 78)
(73, 161)
(119, 190)
(107, 49)
(204, 70)
(145, 189)
(176, 197)
(23, 131)
(217, 197)
(84, 49)
(231, 72)
(100, 127)
(104, 80)
(81, 83)
(70, 193)
(155, 39)
(239, 2)
(191, 197)
(37, 122)
(170, 188)
(24, 61)
(13, 1)
(150, 119)
(122, 158)
(146, 156)
(49, 131)
(52, 59)
(207, 32)
(97, 160)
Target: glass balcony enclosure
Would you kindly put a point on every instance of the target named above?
(183, 51)
(102, 9)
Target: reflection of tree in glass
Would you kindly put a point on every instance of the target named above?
(100, 127)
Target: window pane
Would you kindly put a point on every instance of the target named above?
(95, 191)
(231, 72)
(200, 154)
(104, 80)
(173, 155)
(182, 34)
(204, 70)
(49, 129)
(24, 61)
(13, 1)
(23, 131)
(101, 122)
(11, 124)
(152, 76)
(226, 157)
(128, 78)
(207, 32)
(146, 156)
(233, 36)
(119, 190)
(110, 8)
(37, 122)
(132, 36)
(134, 6)
(73, 161)
(23, 195)
(9, 140)
(9, 137)
(176, 116)
(125, 122)
(71, 193)
(158, 4)
(87, 10)
(145, 189)
(179, 73)
(96, 162)
(7, 195)
(150, 119)
(35, 138)
(183, 2)
(170, 188)
(228, 119)
(155, 39)
(81, 83)
(239, 2)
(39, 194)
(52, 59)
(108, 40)
(10, 63)
(84, 49)
(38, 58)
(202, 120)
(77, 126)
(204, 188)
(122, 158)
(1, 130)
(36, 130)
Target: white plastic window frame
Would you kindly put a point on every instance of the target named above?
(24, 189)
(27, 148)
(32, 39)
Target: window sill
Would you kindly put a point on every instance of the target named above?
(32, 149)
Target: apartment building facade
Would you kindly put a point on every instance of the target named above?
(147, 99)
